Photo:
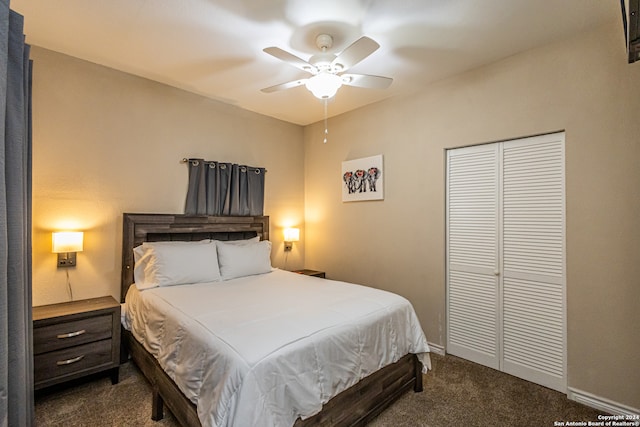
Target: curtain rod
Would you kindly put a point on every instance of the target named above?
(185, 160)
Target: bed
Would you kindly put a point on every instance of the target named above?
(343, 400)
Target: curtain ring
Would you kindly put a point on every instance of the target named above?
(212, 165)
(243, 168)
(257, 171)
(195, 163)
(223, 166)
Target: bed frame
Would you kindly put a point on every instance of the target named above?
(353, 407)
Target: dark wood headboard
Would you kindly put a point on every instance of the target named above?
(138, 228)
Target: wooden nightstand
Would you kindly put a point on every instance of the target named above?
(74, 339)
(314, 273)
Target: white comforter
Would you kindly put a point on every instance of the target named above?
(264, 350)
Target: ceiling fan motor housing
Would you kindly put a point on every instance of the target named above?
(323, 61)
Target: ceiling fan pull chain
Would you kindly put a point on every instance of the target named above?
(326, 128)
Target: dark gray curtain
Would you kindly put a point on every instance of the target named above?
(16, 360)
(217, 188)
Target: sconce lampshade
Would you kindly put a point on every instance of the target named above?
(291, 234)
(67, 241)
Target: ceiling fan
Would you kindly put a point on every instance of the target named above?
(328, 70)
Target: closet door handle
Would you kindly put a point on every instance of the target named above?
(72, 334)
(496, 272)
(70, 361)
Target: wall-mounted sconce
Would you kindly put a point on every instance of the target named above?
(66, 244)
(290, 235)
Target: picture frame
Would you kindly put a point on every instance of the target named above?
(363, 179)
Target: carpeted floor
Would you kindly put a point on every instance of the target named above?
(456, 393)
(462, 393)
(97, 403)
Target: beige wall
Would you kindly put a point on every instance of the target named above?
(106, 142)
(583, 86)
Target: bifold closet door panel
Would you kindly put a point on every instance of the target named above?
(472, 254)
(533, 255)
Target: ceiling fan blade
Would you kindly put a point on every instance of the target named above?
(355, 53)
(283, 86)
(367, 81)
(290, 58)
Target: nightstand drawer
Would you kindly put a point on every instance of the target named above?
(72, 360)
(67, 334)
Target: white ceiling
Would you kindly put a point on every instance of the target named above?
(214, 47)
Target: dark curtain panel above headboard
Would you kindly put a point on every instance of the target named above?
(217, 188)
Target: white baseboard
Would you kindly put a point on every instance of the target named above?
(437, 349)
(600, 403)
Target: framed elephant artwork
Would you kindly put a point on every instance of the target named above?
(363, 179)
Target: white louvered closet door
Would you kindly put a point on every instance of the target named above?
(529, 267)
(473, 251)
(533, 260)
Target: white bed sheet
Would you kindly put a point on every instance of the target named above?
(264, 350)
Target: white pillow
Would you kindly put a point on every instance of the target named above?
(175, 263)
(238, 260)
(142, 255)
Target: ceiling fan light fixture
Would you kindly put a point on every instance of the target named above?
(324, 85)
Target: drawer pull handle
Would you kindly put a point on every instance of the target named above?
(72, 334)
(70, 361)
